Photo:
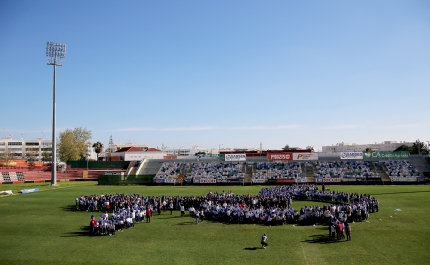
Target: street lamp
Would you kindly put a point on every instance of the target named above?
(55, 52)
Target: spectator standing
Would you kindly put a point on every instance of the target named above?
(197, 217)
(264, 241)
(182, 210)
(148, 215)
(171, 207)
(348, 231)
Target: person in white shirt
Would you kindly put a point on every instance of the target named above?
(182, 210)
(264, 241)
(197, 217)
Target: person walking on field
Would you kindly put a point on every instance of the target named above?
(264, 241)
(197, 217)
(148, 215)
(348, 231)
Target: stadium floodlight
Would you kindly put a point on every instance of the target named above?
(55, 52)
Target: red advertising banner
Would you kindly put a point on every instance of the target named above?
(285, 181)
(279, 156)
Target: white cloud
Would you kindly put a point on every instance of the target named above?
(207, 128)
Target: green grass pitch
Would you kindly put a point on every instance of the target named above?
(44, 228)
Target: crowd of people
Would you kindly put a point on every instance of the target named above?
(347, 170)
(217, 170)
(273, 170)
(344, 169)
(401, 168)
(271, 206)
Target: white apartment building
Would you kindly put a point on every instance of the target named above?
(384, 146)
(20, 148)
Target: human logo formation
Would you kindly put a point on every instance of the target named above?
(271, 206)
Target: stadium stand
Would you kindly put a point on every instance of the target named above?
(401, 169)
(344, 169)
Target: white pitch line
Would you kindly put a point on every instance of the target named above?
(304, 254)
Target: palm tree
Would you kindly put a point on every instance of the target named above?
(98, 148)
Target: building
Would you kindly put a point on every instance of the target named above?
(132, 153)
(384, 146)
(142, 147)
(40, 149)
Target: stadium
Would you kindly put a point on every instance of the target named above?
(271, 167)
(391, 228)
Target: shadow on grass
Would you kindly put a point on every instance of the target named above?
(186, 223)
(70, 208)
(254, 248)
(169, 216)
(85, 231)
(322, 239)
(400, 192)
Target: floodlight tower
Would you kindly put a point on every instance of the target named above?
(55, 52)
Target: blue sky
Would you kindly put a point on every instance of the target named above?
(236, 73)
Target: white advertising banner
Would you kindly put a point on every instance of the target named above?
(349, 180)
(258, 181)
(169, 180)
(305, 156)
(351, 155)
(235, 157)
(403, 179)
(302, 180)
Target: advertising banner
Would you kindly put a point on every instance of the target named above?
(349, 180)
(169, 180)
(221, 181)
(374, 180)
(421, 179)
(196, 180)
(235, 157)
(279, 156)
(285, 181)
(386, 154)
(403, 179)
(327, 180)
(207, 181)
(258, 181)
(219, 156)
(234, 181)
(305, 156)
(351, 155)
(159, 180)
(302, 180)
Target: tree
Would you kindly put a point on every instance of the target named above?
(73, 144)
(403, 148)
(419, 148)
(286, 147)
(30, 157)
(6, 156)
(368, 150)
(46, 157)
(98, 148)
